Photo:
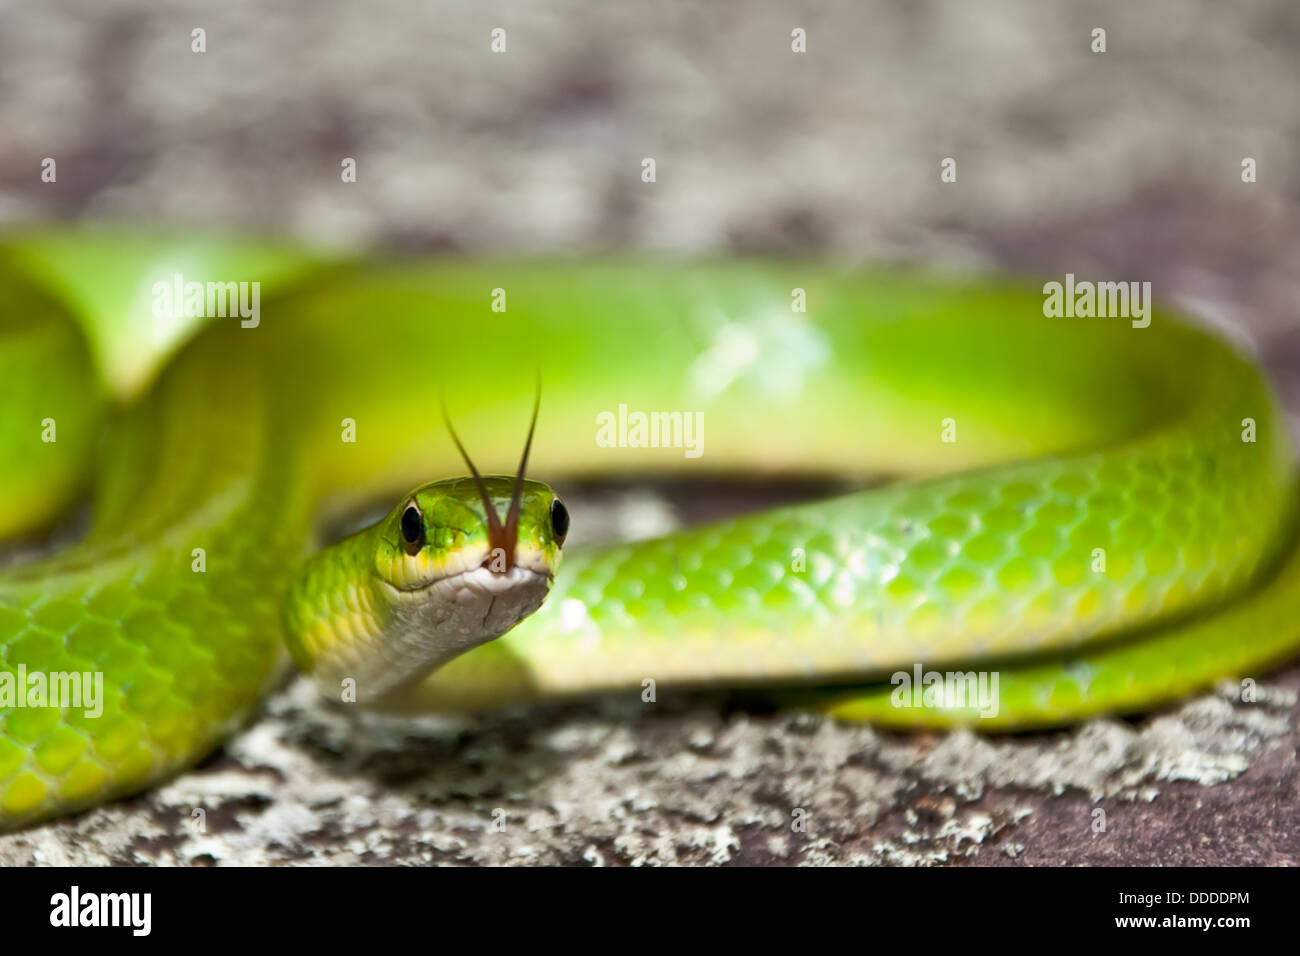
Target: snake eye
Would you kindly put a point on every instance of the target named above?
(559, 520)
(412, 529)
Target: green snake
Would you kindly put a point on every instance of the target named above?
(1102, 515)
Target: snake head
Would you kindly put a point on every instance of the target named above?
(441, 574)
(428, 582)
(446, 529)
(447, 582)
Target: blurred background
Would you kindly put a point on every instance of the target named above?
(1126, 163)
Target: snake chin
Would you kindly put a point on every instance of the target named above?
(475, 603)
(430, 626)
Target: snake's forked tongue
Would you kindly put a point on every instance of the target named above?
(502, 537)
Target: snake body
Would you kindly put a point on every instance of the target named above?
(1101, 514)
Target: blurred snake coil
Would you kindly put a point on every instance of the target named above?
(1103, 515)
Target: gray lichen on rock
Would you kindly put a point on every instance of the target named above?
(621, 782)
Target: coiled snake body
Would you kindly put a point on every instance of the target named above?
(1100, 514)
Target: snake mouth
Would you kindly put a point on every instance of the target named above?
(430, 624)
(459, 611)
(482, 577)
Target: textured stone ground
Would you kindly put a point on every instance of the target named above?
(1125, 164)
(617, 784)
